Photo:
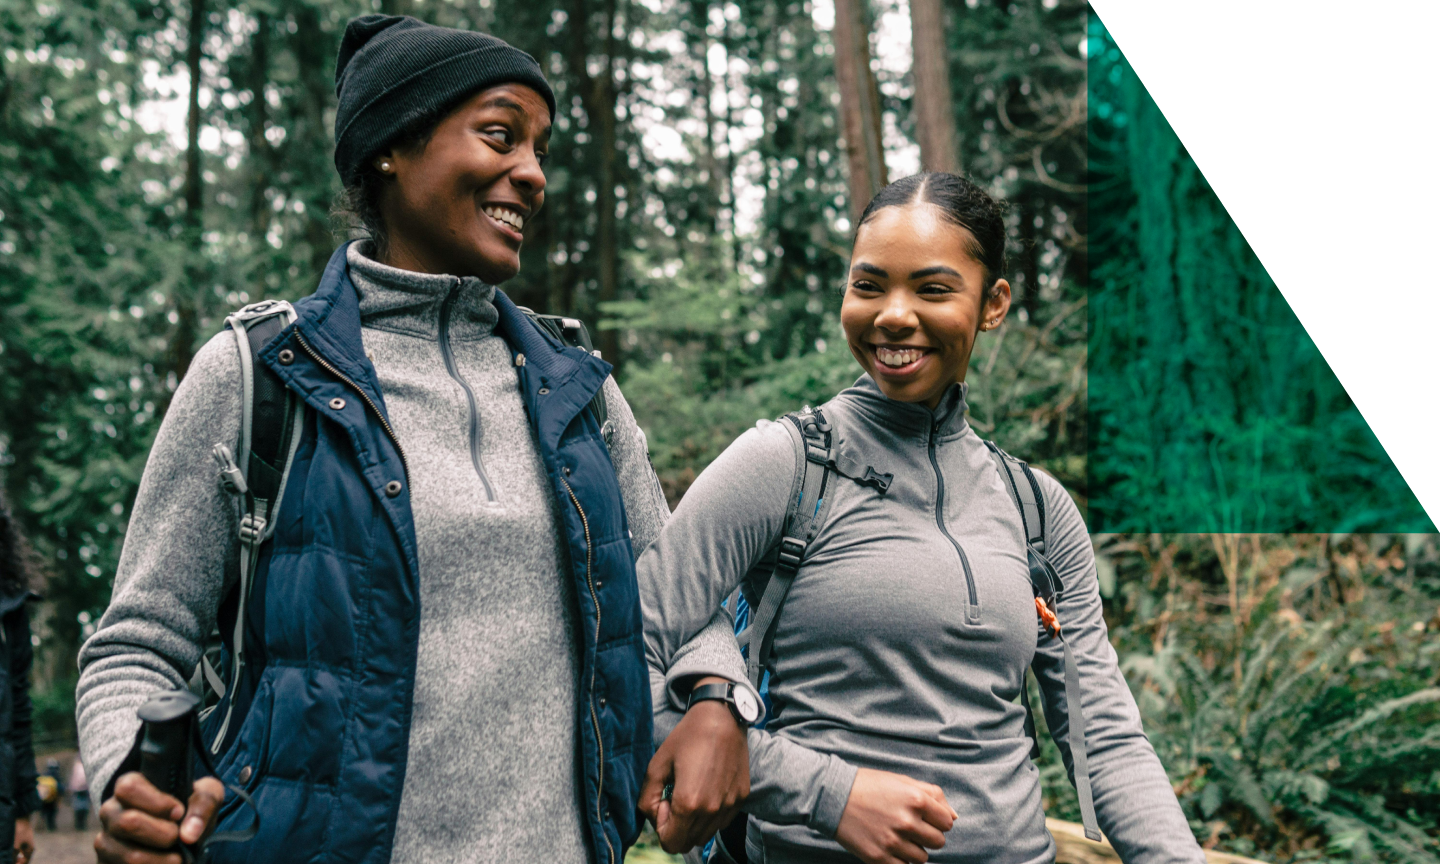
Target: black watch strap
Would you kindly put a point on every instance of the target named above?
(721, 691)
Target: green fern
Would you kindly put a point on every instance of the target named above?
(1300, 716)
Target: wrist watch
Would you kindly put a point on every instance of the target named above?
(742, 703)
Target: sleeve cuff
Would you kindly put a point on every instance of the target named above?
(27, 801)
(704, 671)
(835, 786)
(713, 652)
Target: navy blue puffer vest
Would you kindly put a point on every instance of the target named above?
(333, 622)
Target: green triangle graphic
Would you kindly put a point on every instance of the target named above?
(1210, 408)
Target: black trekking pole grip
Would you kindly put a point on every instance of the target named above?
(172, 757)
(165, 746)
(168, 725)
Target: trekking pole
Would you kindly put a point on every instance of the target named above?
(170, 754)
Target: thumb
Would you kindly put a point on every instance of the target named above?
(664, 825)
(657, 773)
(650, 802)
(939, 795)
(938, 812)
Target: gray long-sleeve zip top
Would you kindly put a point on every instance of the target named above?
(903, 643)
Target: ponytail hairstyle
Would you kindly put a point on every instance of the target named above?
(963, 204)
(15, 570)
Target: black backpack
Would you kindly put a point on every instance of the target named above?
(757, 606)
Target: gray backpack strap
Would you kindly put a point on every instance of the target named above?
(270, 431)
(803, 518)
(572, 332)
(1024, 491)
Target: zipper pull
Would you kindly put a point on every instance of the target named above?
(230, 476)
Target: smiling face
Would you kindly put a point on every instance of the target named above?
(915, 299)
(459, 201)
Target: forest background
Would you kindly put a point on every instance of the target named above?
(164, 162)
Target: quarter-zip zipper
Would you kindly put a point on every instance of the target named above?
(384, 424)
(973, 612)
(594, 718)
(446, 307)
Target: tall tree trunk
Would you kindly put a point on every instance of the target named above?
(315, 64)
(608, 234)
(194, 40)
(182, 341)
(934, 112)
(599, 95)
(701, 17)
(859, 104)
(259, 148)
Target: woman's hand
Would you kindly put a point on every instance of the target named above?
(708, 761)
(891, 819)
(141, 824)
(24, 840)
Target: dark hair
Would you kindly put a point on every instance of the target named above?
(15, 570)
(963, 204)
(358, 207)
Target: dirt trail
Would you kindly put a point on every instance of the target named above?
(66, 845)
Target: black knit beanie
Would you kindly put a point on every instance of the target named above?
(395, 71)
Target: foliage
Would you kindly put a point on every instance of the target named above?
(725, 328)
(88, 266)
(723, 237)
(1289, 686)
(1213, 409)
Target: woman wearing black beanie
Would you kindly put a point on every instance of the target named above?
(432, 636)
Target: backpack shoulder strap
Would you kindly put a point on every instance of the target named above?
(269, 435)
(1024, 490)
(1020, 482)
(572, 332)
(813, 439)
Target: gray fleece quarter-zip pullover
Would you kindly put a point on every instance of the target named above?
(903, 643)
(493, 762)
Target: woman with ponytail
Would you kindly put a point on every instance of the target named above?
(898, 657)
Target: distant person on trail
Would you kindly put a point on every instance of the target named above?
(79, 795)
(47, 786)
(913, 593)
(19, 796)
(51, 790)
(439, 625)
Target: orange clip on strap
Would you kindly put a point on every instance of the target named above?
(1047, 617)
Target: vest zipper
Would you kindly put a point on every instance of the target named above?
(384, 424)
(446, 307)
(973, 613)
(594, 718)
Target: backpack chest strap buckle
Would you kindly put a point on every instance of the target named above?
(792, 552)
(252, 528)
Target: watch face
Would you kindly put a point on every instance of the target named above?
(746, 705)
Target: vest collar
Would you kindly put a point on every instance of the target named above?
(329, 320)
(571, 376)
